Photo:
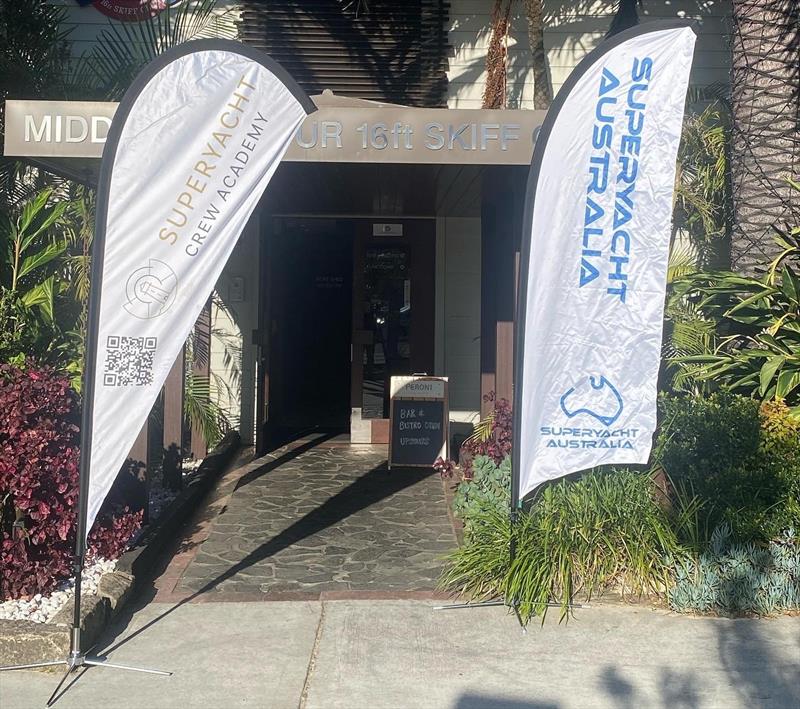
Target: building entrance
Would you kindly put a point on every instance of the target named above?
(349, 304)
(310, 278)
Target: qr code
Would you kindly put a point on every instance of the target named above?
(129, 361)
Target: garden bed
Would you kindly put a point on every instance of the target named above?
(109, 585)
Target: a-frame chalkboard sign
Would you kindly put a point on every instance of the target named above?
(419, 421)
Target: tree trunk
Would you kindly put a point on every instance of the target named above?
(765, 98)
(542, 91)
(625, 17)
(494, 94)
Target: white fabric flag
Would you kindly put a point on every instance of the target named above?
(595, 259)
(191, 149)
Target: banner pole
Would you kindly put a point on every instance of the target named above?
(77, 658)
(120, 250)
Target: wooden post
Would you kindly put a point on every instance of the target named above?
(140, 453)
(505, 361)
(173, 424)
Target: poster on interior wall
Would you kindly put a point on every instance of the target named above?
(190, 151)
(130, 10)
(595, 251)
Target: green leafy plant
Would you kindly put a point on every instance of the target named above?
(33, 242)
(700, 239)
(756, 326)
(739, 459)
(489, 488)
(603, 530)
(701, 210)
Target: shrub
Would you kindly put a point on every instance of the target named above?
(588, 534)
(491, 438)
(735, 578)
(748, 326)
(488, 489)
(742, 461)
(39, 460)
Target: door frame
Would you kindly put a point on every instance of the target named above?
(419, 238)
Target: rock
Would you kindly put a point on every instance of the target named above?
(116, 587)
(23, 642)
(95, 614)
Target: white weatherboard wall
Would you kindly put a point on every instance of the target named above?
(458, 313)
(572, 29)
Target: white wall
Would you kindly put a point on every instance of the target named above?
(572, 29)
(458, 312)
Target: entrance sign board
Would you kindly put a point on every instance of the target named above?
(595, 249)
(373, 134)
(58, 129)
(418, 421)
(193, 146)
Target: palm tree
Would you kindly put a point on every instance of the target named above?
(124, 48)
(542, 90)
(765, 98)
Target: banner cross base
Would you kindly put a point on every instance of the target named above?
(74, 662)
(501, 602)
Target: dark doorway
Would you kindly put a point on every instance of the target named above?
(310, 309)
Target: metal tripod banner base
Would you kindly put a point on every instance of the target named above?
(500, 602)
(77, 660)
(486, 604)
(481, 604)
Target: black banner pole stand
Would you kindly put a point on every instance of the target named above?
(77, 658)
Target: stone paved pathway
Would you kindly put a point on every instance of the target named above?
(326, 517)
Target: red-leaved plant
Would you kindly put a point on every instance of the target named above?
(491, 437)
(39, 458)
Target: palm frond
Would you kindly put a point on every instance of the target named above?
(123, 48)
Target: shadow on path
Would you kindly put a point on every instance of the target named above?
(376, 485)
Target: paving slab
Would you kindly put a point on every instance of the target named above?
(404, 654)
(222, 655)
(326, 517)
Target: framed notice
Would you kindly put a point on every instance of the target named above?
(419, 416)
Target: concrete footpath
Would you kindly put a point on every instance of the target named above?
(396, 654)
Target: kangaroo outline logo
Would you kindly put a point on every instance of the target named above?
(603, 392)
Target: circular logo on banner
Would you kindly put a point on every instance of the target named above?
(151, 290)
(133, 10)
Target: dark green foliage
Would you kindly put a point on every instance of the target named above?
(741, 461)
(750, 326)
(39, 312)
(600, 530)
